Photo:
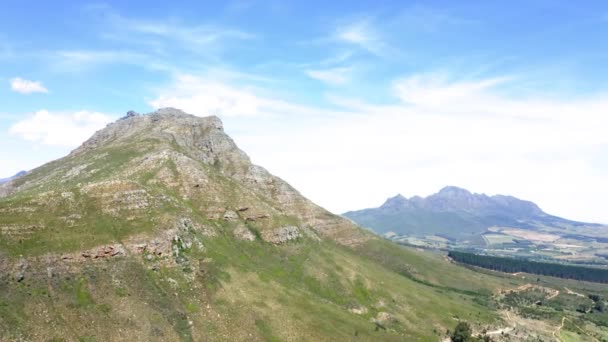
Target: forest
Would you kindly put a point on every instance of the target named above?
(512, 265)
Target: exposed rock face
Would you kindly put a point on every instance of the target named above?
(282, 234)
(145, 172)
(384, 319)
(230, 215)
(20, 269)
(243, 233)
(358, 310)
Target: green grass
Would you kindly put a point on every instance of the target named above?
(265, 331)
(229, 290)
(303, 289)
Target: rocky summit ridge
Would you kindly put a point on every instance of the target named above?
(147, 174)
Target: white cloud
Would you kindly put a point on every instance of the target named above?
(207, 96)
(165, 34)
(441, 132)
(24, 86)
(59, 129)
(193, 35)
(362, 34)
(335, 76)
(436, 89)
(337, 59)
(79, 60)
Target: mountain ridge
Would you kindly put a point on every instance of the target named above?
(18, 174)
(454, 212)
(159, 228)
(186, 152)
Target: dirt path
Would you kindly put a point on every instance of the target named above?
(553, 295)
(556, 333)
(552, 292)
(574, 293)
(500, 331)
(523, 287)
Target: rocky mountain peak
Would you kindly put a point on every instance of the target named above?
(456, 199)
(141, 164)
(395, 202)
(169, 126)
(454, 212)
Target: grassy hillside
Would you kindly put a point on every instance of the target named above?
(305, 290)
(160, 229)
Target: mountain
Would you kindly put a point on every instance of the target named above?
(454, 213)
(18, 174)
(126, 172)
(159, 228)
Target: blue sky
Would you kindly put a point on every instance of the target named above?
(351, 102)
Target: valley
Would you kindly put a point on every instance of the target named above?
(500, 225)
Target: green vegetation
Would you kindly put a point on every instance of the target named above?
(462, 332)
(189, 214)
(512, 265)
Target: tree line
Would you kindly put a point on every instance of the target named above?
(512, 265)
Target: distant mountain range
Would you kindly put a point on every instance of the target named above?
(19, 174)
(454, 213)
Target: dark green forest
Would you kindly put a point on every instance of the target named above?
(512, 265)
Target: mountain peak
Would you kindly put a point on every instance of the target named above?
(452, 191)
(397, 201)
(453, 212)
(142, 164)
(169, 125)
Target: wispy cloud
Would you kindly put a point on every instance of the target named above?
(80, 60)
(65, 129)
(197, 35)
(164, 34)
(208, 96)
(435, 89)
(24, 86)
(334, 76)
(360, 33)
(440, 130)
(428, 19)
(337, 59)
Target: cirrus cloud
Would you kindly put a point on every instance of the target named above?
(440, 131)
(333, 76)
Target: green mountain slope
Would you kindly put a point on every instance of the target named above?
(159, 228)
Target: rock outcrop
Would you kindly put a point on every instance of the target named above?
(142, 173)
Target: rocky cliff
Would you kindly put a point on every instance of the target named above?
(150, 171)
